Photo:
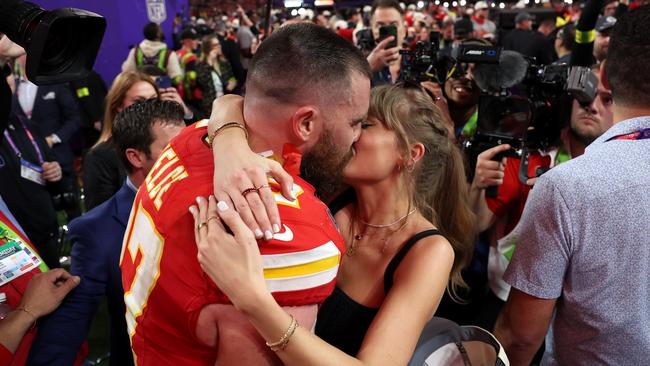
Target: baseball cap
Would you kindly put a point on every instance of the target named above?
(605, 23)
(523, 16)
(481, 5)
(463, 26)
(189, 33)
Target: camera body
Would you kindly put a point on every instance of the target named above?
(529, 114)
(425, 62)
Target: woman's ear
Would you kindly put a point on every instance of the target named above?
(417, 151)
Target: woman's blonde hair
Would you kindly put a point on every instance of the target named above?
(115, 97)
(437, 184)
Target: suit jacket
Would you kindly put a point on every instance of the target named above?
(96, 239)
(55, 111)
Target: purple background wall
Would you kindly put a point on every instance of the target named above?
(125, 20)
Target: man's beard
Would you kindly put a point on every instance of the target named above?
(322, 166)
(584, 137)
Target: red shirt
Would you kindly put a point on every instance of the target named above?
(512, 195)
(165, 288)
(14, 291)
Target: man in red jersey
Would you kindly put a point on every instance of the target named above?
(308, 120)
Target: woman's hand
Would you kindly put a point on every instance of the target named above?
(233, 262)
(45, 291)
(237, 169)
(172, 95)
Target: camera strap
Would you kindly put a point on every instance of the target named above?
(636, 135)
(31, 139)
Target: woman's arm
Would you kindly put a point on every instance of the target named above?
(234, 263)
(239, 169)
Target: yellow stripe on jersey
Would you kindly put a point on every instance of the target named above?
(301, 270)
(202, 123)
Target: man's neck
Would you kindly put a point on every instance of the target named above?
(622, 113)
(261, 142)
(576, 147)
(137, 177)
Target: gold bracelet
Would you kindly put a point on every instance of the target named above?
(284, 341)
(226, 126)
(22, 308)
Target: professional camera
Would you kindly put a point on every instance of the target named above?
(61, 44)
(523, 104)
(425, 63)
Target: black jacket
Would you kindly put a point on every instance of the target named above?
(103, 174)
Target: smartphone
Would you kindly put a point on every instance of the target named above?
(164, 82)
(386, 31)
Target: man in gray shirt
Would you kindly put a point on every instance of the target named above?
(584, 269)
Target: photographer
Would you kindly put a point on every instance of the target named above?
(385, 61)
(587, 123)
(580, 275)
(29, 177)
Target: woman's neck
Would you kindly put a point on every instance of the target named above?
(383, 202)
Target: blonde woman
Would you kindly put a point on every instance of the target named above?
(408, 231)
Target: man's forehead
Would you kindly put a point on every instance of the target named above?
(386, 15)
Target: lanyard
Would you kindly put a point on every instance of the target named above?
(636, 135)
(31, 139)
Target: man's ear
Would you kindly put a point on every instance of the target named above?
(306, 123)
(135, 157)
(603, 75)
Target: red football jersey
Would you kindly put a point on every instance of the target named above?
(165, 288)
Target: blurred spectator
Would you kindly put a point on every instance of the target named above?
(90, 93)
(188, 60)
(215, 75)
(104, 174)
(564, 41)
(50, 111)
(141, 132)
(604, 27)
(482, 25)
(230, 50)
(385, 62)
(153, 57)
(610, 8)
(526, 41)
(245, 37)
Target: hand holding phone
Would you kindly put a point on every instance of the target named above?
(388, 30)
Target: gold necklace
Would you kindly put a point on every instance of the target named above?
(356, 238)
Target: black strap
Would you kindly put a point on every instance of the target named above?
(397, 259)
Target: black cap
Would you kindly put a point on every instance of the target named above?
(523, 16)
(189, 33)
(463, 27)
(605, 23)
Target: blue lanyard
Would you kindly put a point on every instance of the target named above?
(31, 139)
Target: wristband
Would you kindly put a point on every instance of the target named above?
(226, 126)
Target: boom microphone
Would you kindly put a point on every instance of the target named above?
(510, 71)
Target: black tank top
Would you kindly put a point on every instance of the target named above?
(342, 322)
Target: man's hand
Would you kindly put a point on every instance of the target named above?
(172, 94)
(51, 171)
(381, 57)
(50, 141)
(46, 291)
(488, 172)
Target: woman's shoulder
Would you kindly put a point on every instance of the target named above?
(428, 245)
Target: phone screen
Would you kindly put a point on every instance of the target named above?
(164, 82)
(386, 31)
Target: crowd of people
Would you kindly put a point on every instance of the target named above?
(307, 192)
